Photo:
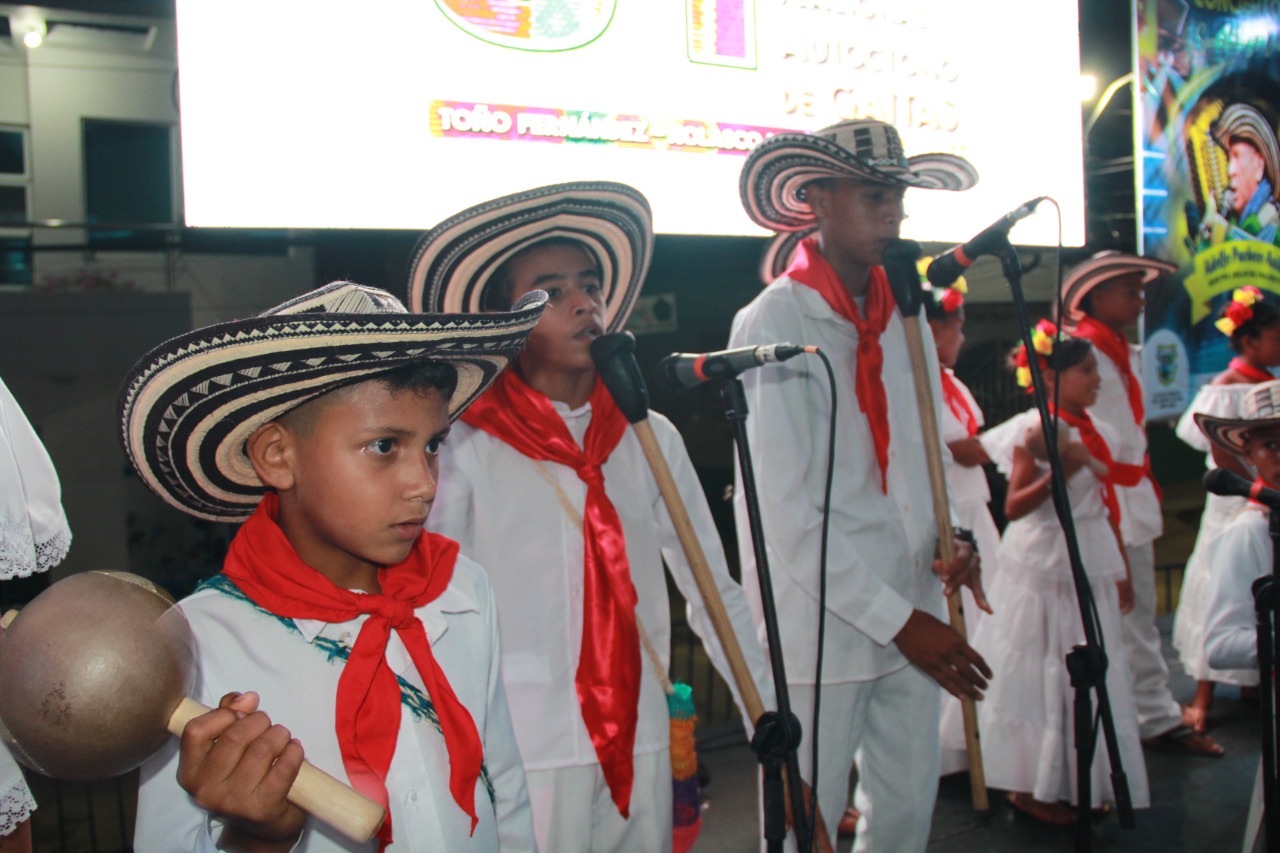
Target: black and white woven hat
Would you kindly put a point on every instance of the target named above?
(1100, 269)
(1260, 406)
(864, 149)
(188, 406)
(455, 261)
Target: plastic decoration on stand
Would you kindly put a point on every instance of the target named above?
(687, 795)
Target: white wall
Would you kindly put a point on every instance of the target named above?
(51, 90)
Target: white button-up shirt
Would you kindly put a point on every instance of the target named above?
(1242, 553)
(881, 545)
(1140, 520)
(494, 500)
(241, 648)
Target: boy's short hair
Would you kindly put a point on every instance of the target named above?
(497, 295)
(418, 377)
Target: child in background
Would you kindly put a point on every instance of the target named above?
(1103, 298)
(1027, 720)
(961, 421)
(1243, 551)
(319, 424)
(1253, 326)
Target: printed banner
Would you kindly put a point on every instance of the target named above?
(1208, 173)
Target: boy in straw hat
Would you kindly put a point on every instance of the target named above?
(1102, 297)
(545, 483)
(318, 424)
(886, 650)
(1243, 551)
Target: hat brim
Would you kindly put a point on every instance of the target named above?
(1095, 271)
(1229, 433)
(189, 405)
(454, 262)
(779, 167)
(778, 253)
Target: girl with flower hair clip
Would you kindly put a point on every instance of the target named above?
(1027, 720)
(1253, 327)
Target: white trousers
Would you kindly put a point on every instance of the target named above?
(888, 727)
(574, 812)
(1158, 711)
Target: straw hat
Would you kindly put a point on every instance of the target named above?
(188, 406)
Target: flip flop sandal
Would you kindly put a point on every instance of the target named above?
(1051, 813)
(1186, 740)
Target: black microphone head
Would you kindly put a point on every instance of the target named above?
(614, 356)
(904, 277)
(1224, 481)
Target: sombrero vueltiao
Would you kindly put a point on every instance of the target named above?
(188, 406)
(778, 168)
(1243, 122)
(455, 261)
(1260, 407)
(1102, 268)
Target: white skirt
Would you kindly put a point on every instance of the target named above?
(1188, 621)
(1026, 720)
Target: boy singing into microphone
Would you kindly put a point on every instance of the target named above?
(546, 483)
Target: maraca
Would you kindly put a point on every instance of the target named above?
(95, 674)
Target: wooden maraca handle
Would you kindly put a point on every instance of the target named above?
(314, 791)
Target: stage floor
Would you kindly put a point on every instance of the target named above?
(1198, 804)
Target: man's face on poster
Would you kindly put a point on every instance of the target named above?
(1244, 172)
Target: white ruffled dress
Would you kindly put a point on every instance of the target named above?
(34, 537)
(1223, 401)
(1026, 720)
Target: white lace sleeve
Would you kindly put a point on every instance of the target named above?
(34, 535)
(16, 802)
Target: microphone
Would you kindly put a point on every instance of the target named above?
(1222, 481)
(685, 370)
(949, 266)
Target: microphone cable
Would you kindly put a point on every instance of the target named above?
(822, 596)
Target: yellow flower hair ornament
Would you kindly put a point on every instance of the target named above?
(1239, 310)
(1044, 337)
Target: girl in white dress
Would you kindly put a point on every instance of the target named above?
(1253, 326)
(33, 538)
(1026, 718)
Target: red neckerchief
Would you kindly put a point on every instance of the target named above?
(957, 403)
(1115, 346)
(608, 676)
(1248, 371)
(810, 268)
(1118, 473)
(263, 564)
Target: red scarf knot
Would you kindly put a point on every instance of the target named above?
(1115, 346)
(608, 675)
(810, 268)
(958, 404)
(266, 568)
(1118, 473)
(1248, 371)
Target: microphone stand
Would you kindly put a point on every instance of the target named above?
(1264, 602)
(1087, 663)
(778, 733)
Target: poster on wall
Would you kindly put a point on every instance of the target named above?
(1208, 173)
(398, 113)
